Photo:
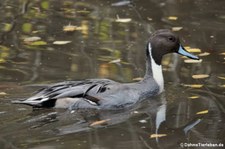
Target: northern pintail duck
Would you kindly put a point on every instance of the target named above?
(108, 94)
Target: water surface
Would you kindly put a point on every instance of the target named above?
(109, 41)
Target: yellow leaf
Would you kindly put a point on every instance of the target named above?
(3, 93)
(203, 112)
(61, 42)
(192, 61)
(204, 54)
(138, 79)
(124, 20)
(193, 97)
(223, 78)
(200, 76)
(32, 39)
(222, 85)
(223, 53)
(172, 18)
(37, 43)
(27, 27)
(193, 85)
(71, 28)
(157, 135)
(99, 122)
(7, 27)
(193, 50)
(177, 28)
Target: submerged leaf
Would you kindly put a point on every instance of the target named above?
(61, 42)
(200, 76)
(192, 61)
(157, 135)
(99, 122)
(222, 85)
(203, 112)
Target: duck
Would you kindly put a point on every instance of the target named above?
(109, 94)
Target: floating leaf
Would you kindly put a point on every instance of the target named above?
(3, 93)
(193, 50)
(71, 28)
(192, 61)
(223, 53)
(123, 20)
(27, 27)
(121, 3)
(99, 122)
(115, 61)
(7, 27)
(177, 28)
(200, 76)
(223, 78)
(45, 4)
(193, 97)
(172, 18)
(194, 85)
(32, 39)
(138, 79)
(203, 112)
(37, 43)
(204, 54)
(157, 135)
(61, 42)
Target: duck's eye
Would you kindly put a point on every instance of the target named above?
(171, 39)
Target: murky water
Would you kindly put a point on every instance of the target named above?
(108, 41)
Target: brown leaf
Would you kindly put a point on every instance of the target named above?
(99, 122)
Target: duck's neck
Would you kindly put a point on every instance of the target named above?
(153, 70)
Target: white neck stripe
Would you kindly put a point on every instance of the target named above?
(156, 70)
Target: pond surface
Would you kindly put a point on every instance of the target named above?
(107, 39)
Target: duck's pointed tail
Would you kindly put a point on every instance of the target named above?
(27, 102)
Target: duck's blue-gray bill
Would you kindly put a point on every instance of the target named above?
(183, 52)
